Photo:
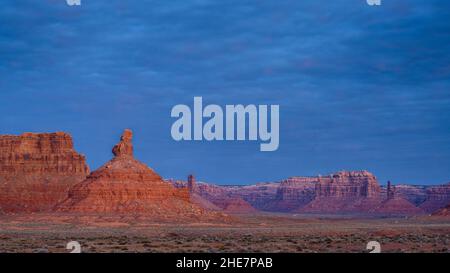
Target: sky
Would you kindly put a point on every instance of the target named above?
(359, 86)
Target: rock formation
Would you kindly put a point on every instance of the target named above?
(293, 193)
(413, 193)
(191, 183)
(357, 192)
(127, 186)
(234, 205)
(397, 206)
(389, 190)
(348, 184)
(259, 195)
(214, 197)
(437, 197)
(37, 169)
(345, 192)
(125, 146)
(194, 197)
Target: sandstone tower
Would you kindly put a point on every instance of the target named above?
(390, 190)
(191, 183)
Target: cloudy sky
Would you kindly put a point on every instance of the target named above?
(359, 87)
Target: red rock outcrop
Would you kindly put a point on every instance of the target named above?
(345, 192)
(259, 195)
(437, 197)
(125, 145)
(37, 169)
(127, 186)
(234, 205)
(413, 193)
(397, 206)
(214, 197)
(348, 184)
(293, 193)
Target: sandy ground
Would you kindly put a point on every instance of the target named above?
(247, 233)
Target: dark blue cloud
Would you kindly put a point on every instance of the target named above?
(359, 87)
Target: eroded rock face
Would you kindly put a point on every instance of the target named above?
(413, 193)
(293, 193)
(125, 145)
(348, 184)
(437, 197)
(397, 206)
(345, 192)
(127, 186)
(37, 169)
(259, 195)
(214, 197)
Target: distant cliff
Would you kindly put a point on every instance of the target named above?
(342, 192)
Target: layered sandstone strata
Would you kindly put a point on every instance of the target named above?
(259, 195)
(437, 197)
(345, 192)
(127, 186)
(348, 184)
(413, 193)
(214, 197)
(37, 169)
(293, 193)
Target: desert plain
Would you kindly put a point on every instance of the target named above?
(255, 233)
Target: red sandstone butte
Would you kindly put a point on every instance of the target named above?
(345, 192)
(125, 185)
(36, 170)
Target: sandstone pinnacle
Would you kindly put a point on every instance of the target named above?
(125, 145)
